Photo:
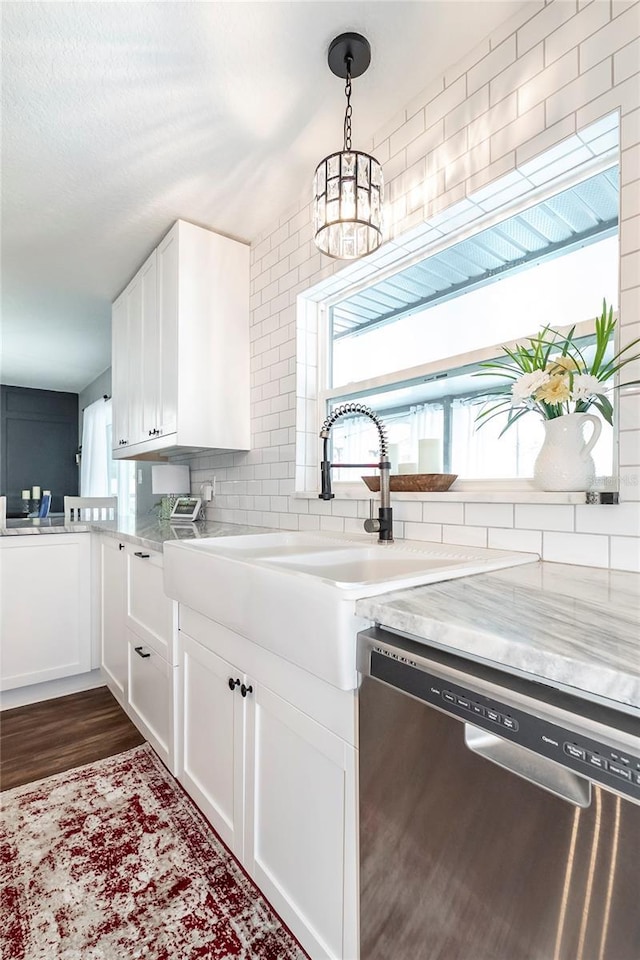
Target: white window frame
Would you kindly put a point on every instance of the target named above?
(313, 391)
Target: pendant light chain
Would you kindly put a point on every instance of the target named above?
(348, 112)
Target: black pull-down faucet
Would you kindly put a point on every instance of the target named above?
(383, 526)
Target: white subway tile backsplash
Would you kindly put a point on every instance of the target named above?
(423, 531)
(630, 234)
(469, 109)
(574, 31)
(552, 516)
(610, 38)
(407, 510)
(626, 63)
(446, 101)
(308, 522)
(491, 65)
(630, 163)
(465, 536)
(525, 127)
(630, 448)
(528, 541)
(588, 87)
(630, 267)
(406, 133)
(488, 514)
(443, 512)
(332, 524)
(498, 117)
(543, 24)
(622, 519)
(522, 15)
(583, 549)
(345, 508)
(625, 553)
(514, 76)
(425, 143)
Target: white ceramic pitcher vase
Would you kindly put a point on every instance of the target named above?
(565, 462)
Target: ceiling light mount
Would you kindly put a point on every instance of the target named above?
(349, 47)
(348, 185)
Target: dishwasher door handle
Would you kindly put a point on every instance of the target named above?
(529, 766)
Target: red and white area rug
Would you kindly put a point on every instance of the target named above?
(113, 862)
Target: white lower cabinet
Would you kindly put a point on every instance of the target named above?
(300, 793)
(45, 608)
(277, 784)
(151, 696)
(113, 601)
(139, 653)
(149, 610)
(212, 739)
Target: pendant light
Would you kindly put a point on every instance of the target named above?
(348, 185)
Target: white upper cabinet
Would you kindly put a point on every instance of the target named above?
(181, 348)
(120, 369)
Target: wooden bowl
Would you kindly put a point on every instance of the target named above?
(414, 482)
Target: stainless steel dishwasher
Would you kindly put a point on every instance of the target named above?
(499, 817)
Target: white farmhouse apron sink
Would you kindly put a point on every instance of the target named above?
(295, 593)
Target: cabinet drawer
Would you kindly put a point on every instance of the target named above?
(150, 702)
(149, 610)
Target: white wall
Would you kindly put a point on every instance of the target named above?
(532, 84)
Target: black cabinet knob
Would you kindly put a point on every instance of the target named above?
(143, 556)
(144, 656)
(121, 546)
(233, 683)
(245, 690)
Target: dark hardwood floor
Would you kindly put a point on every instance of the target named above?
(45, 738)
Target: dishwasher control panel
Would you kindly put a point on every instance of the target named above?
(598, 760)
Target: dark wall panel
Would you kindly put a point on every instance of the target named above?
(38, 444)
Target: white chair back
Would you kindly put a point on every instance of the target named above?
(3, 511)
(90, 508)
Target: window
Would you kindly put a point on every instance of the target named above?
(100, 475)
(409, 345)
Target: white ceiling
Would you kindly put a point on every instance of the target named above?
(118, 118)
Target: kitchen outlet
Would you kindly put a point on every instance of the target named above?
(208, 490)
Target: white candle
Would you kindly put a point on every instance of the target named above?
(430, 455)
(407, 468)
(35, 493)
(26, 494)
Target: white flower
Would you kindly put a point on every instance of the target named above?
(526, 385)
(585, 386)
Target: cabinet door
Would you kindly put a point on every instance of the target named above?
(112, 616)
(45, 613)
(300, 844)
(120, 372)
(151, 697)
(150, 357)
(211, 739)
(167, 308)
(149, 610)
(134, 293)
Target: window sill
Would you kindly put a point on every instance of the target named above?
(462, 494)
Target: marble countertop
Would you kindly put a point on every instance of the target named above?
(575, 627)
(146, 532)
